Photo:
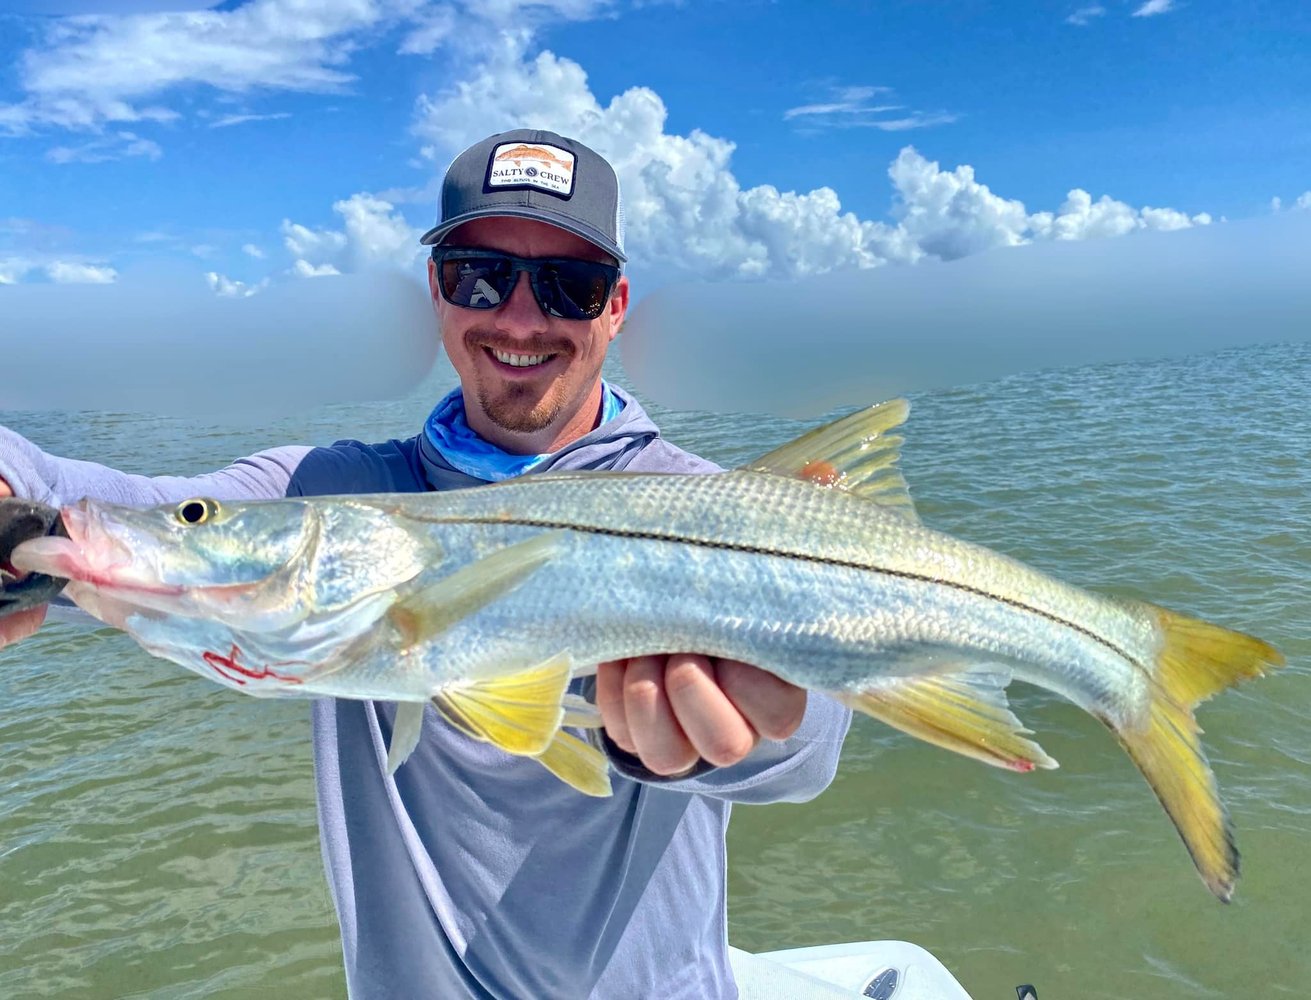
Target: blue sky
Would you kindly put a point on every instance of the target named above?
(266, 141)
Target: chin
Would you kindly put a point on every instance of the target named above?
(522, 415)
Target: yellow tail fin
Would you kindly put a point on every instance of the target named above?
(1196, 660)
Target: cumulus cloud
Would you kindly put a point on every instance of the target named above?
(230, 289)
(115, 146)
(304, 269)
(1085, 15)
(251, 250)
(687, 214)
(1153, 7)
(373, 234)
(1302, 203)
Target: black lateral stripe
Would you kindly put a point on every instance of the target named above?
(755, 550)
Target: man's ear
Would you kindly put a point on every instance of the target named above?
(618, 305)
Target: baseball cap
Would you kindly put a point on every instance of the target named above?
(534, 174)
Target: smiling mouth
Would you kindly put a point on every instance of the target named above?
(519, 360)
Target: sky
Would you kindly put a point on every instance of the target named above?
(251, 144)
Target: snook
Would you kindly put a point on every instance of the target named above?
(810, 563)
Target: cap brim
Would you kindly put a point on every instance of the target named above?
(437, 233)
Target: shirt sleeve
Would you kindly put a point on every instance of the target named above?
(36, 475)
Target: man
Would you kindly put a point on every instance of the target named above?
(473, 873)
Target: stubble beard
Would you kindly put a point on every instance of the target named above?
(515, 408)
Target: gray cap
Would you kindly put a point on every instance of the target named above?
(534, 174)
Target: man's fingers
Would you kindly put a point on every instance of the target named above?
(713, 726)
(610, 700)
(772, 706)
(656, 734)
(21, 624)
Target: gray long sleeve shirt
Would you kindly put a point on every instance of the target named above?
(473, 873)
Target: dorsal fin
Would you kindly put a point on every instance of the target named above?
(857, 453)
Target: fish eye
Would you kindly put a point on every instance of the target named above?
(196, 511)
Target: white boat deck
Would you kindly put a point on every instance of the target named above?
(844, 972)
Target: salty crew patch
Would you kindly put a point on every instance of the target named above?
(536, 165)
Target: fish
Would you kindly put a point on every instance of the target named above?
(810, 562)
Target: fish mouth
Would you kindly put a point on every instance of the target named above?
(90, 555)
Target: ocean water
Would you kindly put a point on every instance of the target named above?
(158, 836)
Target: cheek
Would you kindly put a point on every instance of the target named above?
(452, 336)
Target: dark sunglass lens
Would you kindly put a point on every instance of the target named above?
(476, 282)
(574, 289)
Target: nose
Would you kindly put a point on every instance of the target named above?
(520, 314)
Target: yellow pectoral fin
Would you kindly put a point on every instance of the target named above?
(578, 765)
(520, 713)
(964, 712)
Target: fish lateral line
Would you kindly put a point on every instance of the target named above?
(755, 550)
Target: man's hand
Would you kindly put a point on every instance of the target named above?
(672, 711)
(23, 623)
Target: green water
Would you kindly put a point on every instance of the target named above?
(158, 836)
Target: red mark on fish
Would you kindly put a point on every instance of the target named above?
(821, 472)
(241, 674)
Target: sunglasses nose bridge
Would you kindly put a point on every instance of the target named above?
(523, 302)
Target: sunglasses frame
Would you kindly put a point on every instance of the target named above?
(530, 265)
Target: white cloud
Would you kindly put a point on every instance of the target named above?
(91, 70)
(86, 72)
(304, 269)
(857, 107)
(227, 121)
(373, 234)
(251, 250)
(1085, 15)
(949, 214)
(687, 214)
(115, 146)
(228, 288)
(1302, 203)
(1080, 218)
(14, 269)
(71, 273)
(57, 8)
(1153, 7)
(304, 242)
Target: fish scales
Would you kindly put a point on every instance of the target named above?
(809, 563)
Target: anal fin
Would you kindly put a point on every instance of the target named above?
(577, 764)
(965, 712)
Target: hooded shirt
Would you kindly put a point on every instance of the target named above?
(470, 872)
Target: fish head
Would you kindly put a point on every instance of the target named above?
(180, 558)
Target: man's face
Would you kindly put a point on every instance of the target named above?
(553, 395)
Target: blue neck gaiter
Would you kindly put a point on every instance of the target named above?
(448, 431)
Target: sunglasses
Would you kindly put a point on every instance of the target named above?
(565, 287)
